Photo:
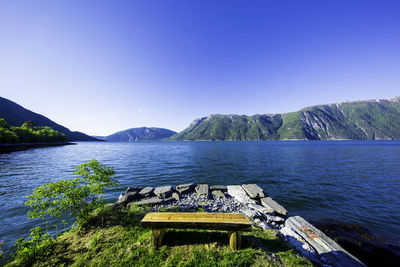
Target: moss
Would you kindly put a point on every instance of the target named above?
(114, 238)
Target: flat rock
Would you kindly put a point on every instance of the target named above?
(163, 191)
(133, 189)
(328, 250)
(253, 214)
(239, 194)
(275, 219)
(261, 208)
(152, 201)
(185, 188)
(254, 191)
(218, 187)
(202, 189)
(296, 241)
(176, 196)
(272, 204)
(218, 193)
(146, 192)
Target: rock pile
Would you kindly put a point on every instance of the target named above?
(251, 200)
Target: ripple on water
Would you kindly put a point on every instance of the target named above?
(349, 181)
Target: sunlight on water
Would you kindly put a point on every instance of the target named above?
(348, 181)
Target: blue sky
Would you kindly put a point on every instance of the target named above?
(104, 66)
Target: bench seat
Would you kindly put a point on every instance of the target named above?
(232, 222)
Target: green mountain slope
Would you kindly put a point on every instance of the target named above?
(372, 120)
(140, 134)
(16, 115)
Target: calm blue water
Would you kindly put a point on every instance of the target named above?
(347, 181)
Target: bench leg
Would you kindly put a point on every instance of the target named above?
(157, 236)
(235, 240)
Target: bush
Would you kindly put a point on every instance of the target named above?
(72, 197)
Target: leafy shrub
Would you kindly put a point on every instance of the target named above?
(72, 197)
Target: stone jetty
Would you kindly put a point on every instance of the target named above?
(251, 200)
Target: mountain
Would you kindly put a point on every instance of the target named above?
(98, 137)
(16, 115)
(367, 120)
(140, 134)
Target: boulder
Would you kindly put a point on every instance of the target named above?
(153, 201)
(253, 214)
(237, 192)
(131, 189)
(218, 187)
(127, 198)
(254, 191)
(275, 219)
(272, 204)
(202, 190)
(146, 192)
(261, 208)
(163, 191)
(218, 193)
(329, 252)
(185, 188)
(299, 244)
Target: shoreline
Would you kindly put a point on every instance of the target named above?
(9, 147)
(250, 200)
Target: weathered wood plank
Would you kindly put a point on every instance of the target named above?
(212, 221)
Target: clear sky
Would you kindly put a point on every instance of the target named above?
(105, 66)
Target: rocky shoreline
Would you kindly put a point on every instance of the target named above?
(9, 147)
(251, 200)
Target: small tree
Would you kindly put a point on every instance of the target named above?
(72, 197)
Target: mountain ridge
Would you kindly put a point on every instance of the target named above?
(355, 120)
(16, 115)
(140, 134)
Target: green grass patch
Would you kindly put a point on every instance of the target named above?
(115, 238)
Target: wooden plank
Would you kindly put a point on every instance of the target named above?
(214, 221)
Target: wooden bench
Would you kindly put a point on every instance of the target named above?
(234, 223)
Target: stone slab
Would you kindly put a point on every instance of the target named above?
(237, 192)
(272, 204)
(163, 191)
(153, 201)
(218, 193)
(254, 191)
(219, 187)
(202, 189)
(328, 250)
(127, 198)
(176, 196)
(261, 208)
(185, 188)
(147, 191)
(131, 189)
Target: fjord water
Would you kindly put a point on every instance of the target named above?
(353, 182)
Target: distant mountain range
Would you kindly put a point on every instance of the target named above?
(365, 120)
(16, 115)
(140, 134)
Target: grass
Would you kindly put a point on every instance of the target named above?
(115, 238)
